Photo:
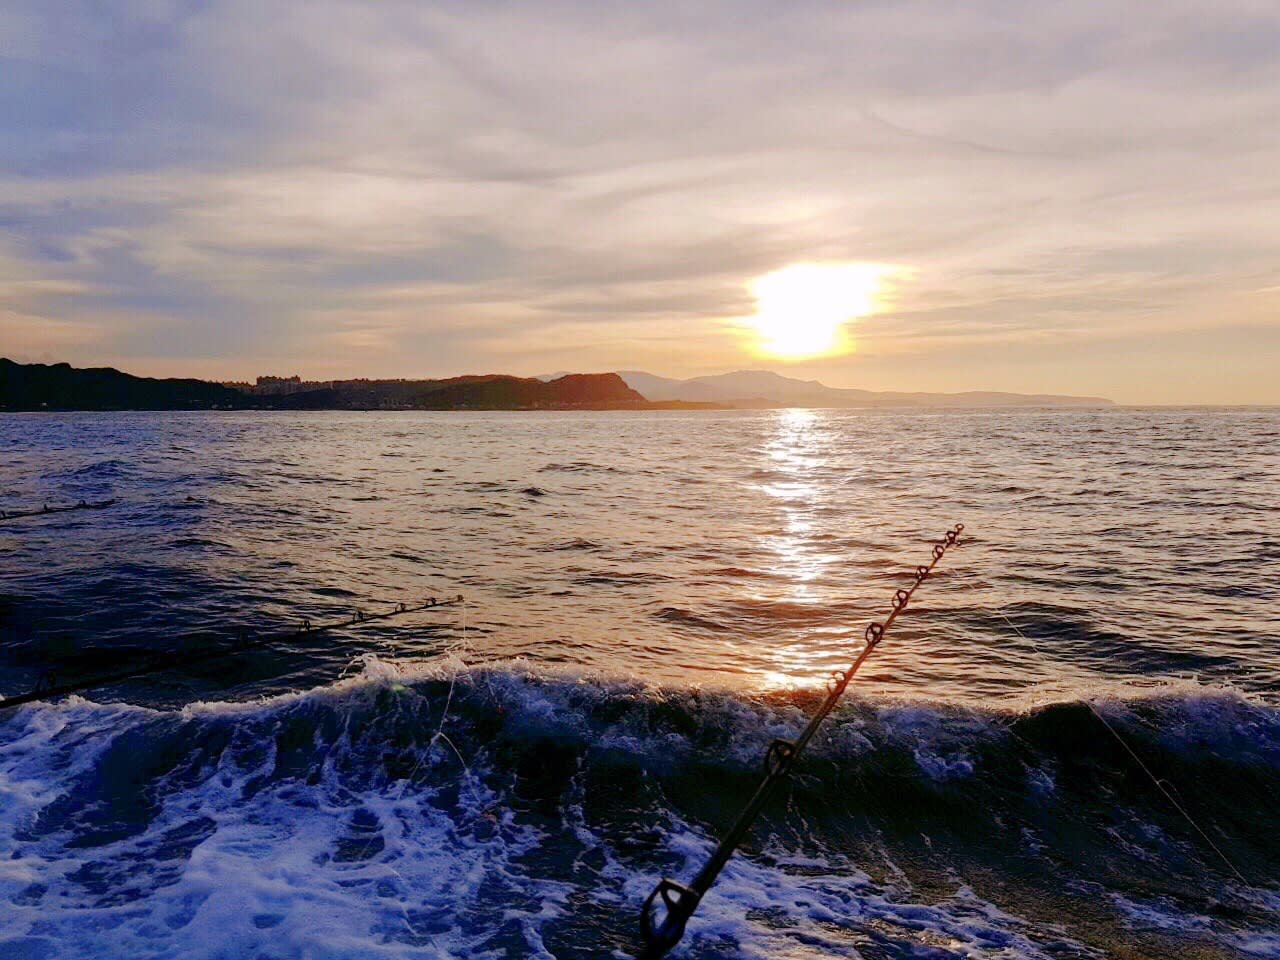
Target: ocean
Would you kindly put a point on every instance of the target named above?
(1068, 745)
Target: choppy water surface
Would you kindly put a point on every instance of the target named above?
(650, 599)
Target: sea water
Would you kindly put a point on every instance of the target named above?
(1067, 746)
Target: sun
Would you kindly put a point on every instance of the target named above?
(801, 309)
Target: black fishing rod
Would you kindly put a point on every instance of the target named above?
(46, 509)
(679, 900)
(47, 687)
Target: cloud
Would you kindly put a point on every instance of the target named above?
(453, 186)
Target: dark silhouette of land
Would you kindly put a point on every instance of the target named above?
(59, 386)
(575, 391)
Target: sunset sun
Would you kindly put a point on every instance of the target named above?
(802, 308)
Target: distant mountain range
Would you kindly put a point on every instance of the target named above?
(762, 388)
(59, 386)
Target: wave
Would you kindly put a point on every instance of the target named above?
(688, 618)
(1182, 722)
(441, 810)
(581, 466)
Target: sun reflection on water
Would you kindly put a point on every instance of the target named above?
(794, 462)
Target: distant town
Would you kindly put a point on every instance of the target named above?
(287, 386)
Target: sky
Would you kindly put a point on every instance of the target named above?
(1068, 197)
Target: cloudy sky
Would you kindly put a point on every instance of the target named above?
(1072, 196)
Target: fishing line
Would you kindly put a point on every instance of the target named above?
(404, 783)
(440, 734)
(1159, 784)
(467, 776)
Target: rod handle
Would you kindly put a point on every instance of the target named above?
(680, 902)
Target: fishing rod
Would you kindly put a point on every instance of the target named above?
(46, 509)
(681, 901)
(47, 687)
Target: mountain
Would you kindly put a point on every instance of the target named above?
(59, 386)
(763, 388)
(663, 388)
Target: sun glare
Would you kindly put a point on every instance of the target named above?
(801, 309)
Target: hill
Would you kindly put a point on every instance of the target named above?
(577, 391)
(60, 386)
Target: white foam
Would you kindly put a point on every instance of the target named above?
(834, 911)
(1162, 915)
(265, 878)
